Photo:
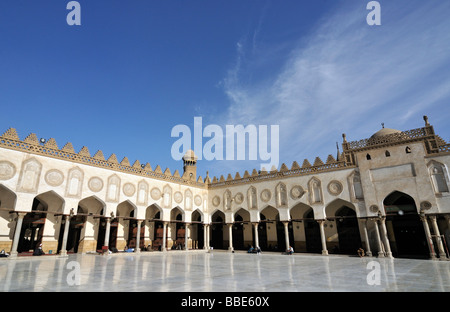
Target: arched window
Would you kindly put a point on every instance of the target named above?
(438, 178)
(387, 154)
(408, 150)
(368, 157)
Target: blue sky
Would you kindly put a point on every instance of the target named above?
(135, 69)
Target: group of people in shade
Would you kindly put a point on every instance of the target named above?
(290, 251)
(257, 250)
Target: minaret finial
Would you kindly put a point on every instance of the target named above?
(382, 125)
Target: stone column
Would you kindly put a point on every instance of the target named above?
(205, 236)
(441, 250)
(20, 216)
(322, 237)
(208, 232)
(107, 231)
(163, 247)
(286, 234)
(230, 236)
(63, 251)
(385, 238)
(377, 236)
(366, 238)
(186, 236)
(255, 225)
(138, 237)
(423, 218)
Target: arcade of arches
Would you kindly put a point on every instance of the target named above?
(388, 194)
(399, 232)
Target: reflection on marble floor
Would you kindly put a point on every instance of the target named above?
(221, 272)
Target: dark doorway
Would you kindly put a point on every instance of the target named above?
(262, 233)
(180, 232)
(312, 234)
(238, 233)
(217, 233)
(402, 218)
(158, 233)
(348, 231)
(32, 227)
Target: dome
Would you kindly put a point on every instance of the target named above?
(383, 132)
(190, 155)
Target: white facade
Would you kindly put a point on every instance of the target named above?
(388, 194)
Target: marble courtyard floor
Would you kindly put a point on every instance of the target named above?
(220, 271)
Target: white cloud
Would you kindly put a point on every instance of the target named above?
(347, 76)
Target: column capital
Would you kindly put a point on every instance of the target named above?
(423, 217)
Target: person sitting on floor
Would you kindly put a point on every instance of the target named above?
(361, 252)
(38, 251)
(290, 250)
(251, 250)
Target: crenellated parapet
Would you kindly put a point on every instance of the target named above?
(49, 148)
(263, 175)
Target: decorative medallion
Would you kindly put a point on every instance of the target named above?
(335, 187)
(95, 184)
(198, 200)
(266, 195)
(297, 192)
(7, 170)
(239, 198)
(374, 209)
(178, 197)
(54, 177)
(129, 189)
(425, 205)
(155, 193)
(216, 201)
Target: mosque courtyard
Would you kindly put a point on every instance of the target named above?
(221, 271)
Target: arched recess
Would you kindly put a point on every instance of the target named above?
(197, 230)
(7, 203)
(127, 227)
(153, 214)
(217, 226)
(405, 229)
(343, 230)
(242, 230)
(84, 225)
(34, 231)
(178, 228)
(306, 232)
(439, 177)
(271, 234)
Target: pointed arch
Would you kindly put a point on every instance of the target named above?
(167, 196)
(439, 176)
(315, 190)
(29, 176)
(281, 197)
(188, 199)
(252, 198)
(405, 229)
(217, 229)
(227, 200)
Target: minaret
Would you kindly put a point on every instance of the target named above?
(190, 165)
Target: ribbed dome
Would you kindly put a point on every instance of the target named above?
(383, 132)
(190, 155)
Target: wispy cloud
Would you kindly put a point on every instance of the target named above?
(349, 77)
